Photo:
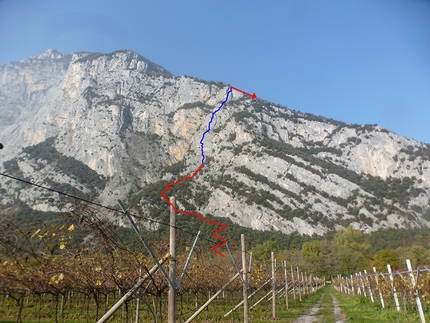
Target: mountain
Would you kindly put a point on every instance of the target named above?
(117, 126)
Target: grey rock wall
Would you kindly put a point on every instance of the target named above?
(128, 124)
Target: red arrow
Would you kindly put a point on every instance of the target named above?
(253, 95)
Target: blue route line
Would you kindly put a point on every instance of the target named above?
(209, 124)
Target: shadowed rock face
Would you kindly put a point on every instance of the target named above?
(119, 126)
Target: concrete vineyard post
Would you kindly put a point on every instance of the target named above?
(415, 290)
(272, 255)
(396, 300)
(377, 287)
(171, 312)
(286, 283)
(293, 283)
(369, 288)
(245, 279)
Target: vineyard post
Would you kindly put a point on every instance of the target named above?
(396, 300)
(307, 282)
(345, 284)
(286, 283)
(245, 279)
(369, 288)
(132, 290)
(362, 284)
(272, 254)
(249, 269)
(303, 283)
(354, 284)
(377, 287)
(249, 297)
(171, 312)
(342, 282)
(311, 282)
(292, 282)
(298, 284)
(63, 303)
(261, 299)
(192, 317)
(314, 282)
(415, 289)
(358, 284)
(138, 299)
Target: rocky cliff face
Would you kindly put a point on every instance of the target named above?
(117, 126)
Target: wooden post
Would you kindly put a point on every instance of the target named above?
(273, 286)
(286, 284)
(171, 312)
(414, 286)
(396, 300)
(298, 284)
(245, 279)
(293, 283)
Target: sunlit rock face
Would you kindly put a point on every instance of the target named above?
(117, 126)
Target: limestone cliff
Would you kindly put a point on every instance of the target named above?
(117, 126)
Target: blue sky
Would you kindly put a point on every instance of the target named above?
(357, 61)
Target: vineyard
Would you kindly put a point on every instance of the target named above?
(407, 291)
(80, 267)
(75, 268)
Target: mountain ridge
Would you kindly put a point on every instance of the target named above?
(120, 127)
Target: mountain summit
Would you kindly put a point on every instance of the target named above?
(117, 126)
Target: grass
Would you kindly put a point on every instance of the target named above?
(298, 308)
(76, 310)
(355, 309)
(359, 309)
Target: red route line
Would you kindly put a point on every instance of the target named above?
(215, 232)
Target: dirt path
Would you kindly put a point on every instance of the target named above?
(311, 316)
(339, 317)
